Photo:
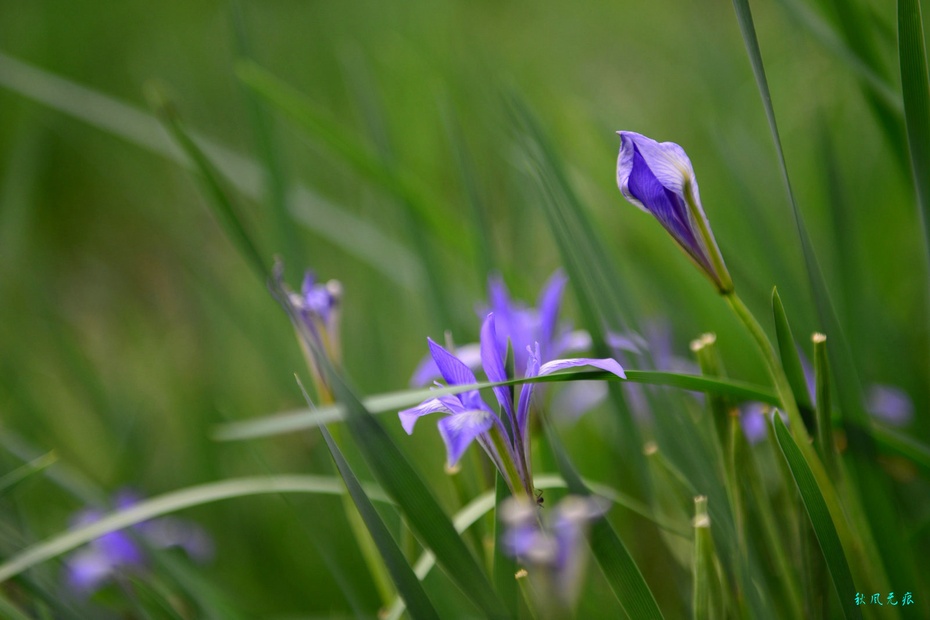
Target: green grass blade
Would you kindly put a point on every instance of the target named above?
(423, 512)
(275, 184)
(819, 515)
(916, 87)
(408, 586)
(302, 419)
(791, 361)
(13, 478)
(223, 206)
(173, 502)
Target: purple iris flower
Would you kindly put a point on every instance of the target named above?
(506, 439)
(553, 552)
(659, 179)
(522, 325)
(318, 308)
(116, 553)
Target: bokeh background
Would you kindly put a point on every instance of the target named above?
(130, 326)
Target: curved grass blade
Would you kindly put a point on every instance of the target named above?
(172, 502)
(408, 586)
(824, 527)
(916, 88)
(391, 402)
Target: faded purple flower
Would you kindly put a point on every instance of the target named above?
(317, 309)
(120, 552)
(889, 404)
(470, 418)
(659, 179)
(755, 418)
(553, 552)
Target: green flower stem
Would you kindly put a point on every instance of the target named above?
(721, 275)
(512, 476)
(851, 544)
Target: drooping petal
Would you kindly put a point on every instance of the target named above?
(494, 365)
(409, 417)
(87, 570)
(607, 364)
(458, 431)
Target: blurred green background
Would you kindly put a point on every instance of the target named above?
(130, 326)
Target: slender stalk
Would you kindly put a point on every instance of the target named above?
(851, 543)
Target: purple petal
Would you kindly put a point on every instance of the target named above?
(526, 392)
(494, 365)
(452, 369)
(607, 364)
(549, 302)
(578, 397)
(427, 371)
(409, 417)
(172, 532)
(459, 430)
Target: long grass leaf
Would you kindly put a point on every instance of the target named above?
(35, 466)
(823, 524)
(791, 361)
(225, 209)
(409, 587)
(291, 421)
(173, 502)
(916, 87)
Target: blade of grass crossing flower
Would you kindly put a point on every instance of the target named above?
(872, 483)
(223, 206)
(916, 88)
(302, 419)
(791, 361)
(618, 566)
(168, 503)
(823, 524)
(408, 586)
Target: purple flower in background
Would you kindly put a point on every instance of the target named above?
(116, 553)
(553, 553)
(659, 179)
(889, 404)
(470, 418)
(522, 325)
(755, 418)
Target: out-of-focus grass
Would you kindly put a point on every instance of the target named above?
(129, 325)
